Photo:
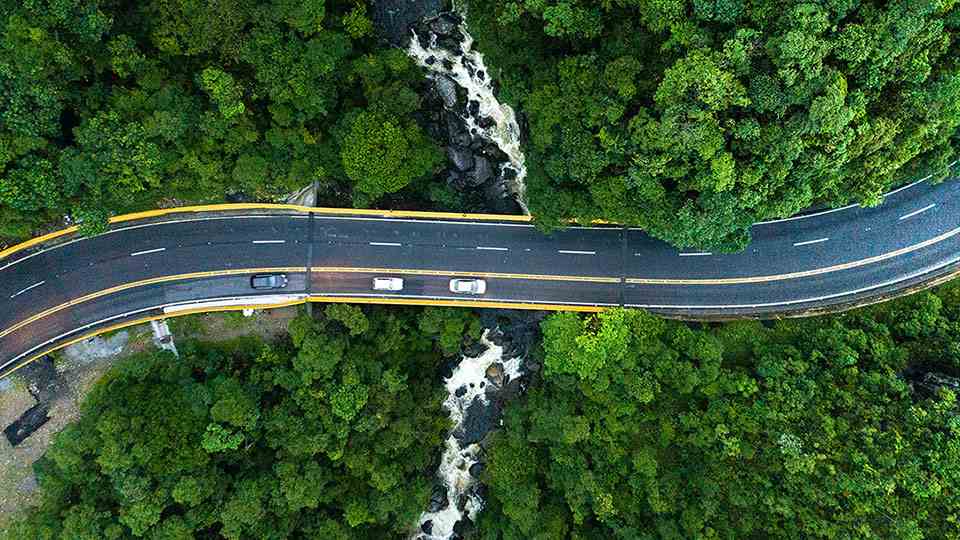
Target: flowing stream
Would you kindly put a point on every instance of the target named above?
(490, 120)
(470, 388)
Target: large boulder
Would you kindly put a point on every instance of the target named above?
(394, 18)
(445, 24)
(447, 89)
(482, 171)
(461, 158)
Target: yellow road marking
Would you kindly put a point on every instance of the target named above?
(455, 273)
(144, 320)
(258, 206)
(453, 303)
(141, 283)
(801, 274)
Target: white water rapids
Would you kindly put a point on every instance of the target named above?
(470, 378)
(467, 69)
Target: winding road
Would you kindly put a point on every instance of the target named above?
(63, 288)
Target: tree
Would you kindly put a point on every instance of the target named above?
(644, 428)
(383, 156)
(326, 434)
(694, 120)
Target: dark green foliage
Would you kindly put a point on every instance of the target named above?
(331, 436)
(644, 428)
(694, 119)
(110, 107)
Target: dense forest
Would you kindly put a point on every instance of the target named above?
(694, 119)
(833, 427)
(109, 106)
(330, 435)
(639, 428)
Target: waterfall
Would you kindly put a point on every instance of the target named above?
(490, 119)
(474, 381)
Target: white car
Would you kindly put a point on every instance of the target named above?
(468, 286)
(387, 284)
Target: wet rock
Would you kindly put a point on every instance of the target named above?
(448, 65)
(427, 526)
(461, 139)
(477, 469)
(479, 419)
(473, 107)
(495, 374)
(486, 122)
(482, 171)
(474, 349)
(461, 158)
(493, 152)
(512, 389)
(393, 19)
(449, 43)
(431, 60)
(460, 392)
(438, 499)
(477, 144)
(481, 75)
(444, 25)
(447, 90)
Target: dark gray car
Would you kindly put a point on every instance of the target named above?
(268, 281)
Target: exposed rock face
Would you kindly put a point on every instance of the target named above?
(460, 157)
(481, 135)
(394, 18)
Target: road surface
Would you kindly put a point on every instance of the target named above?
(58, 291)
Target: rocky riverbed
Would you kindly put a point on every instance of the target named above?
(482, 135)
(488, 375)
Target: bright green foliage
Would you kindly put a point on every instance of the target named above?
(645, 429)
(695, 118)
(448, 326)
(382, 156)
(107, 107)
(325, 436)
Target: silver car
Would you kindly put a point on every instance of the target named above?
(387, 284)
(468, 286)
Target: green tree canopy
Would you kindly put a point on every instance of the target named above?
(329, 435)
(644, 428)
(695, 118)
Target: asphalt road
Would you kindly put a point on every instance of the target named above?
(56, 292)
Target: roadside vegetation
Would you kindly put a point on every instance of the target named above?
(108, 107)
(830, 427)
(842, 426)
(694, 119)
(328, 434)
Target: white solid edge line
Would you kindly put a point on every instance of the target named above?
(16, 294)
(808, 242)
(915, 212)
(142, 225)
(488, 248)
(472, 298)
(127, 314)
(702, 254)
(269, 241)
(393, 244)
(803, 300)
(575, 252)
(147, 252)
(849, 206)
